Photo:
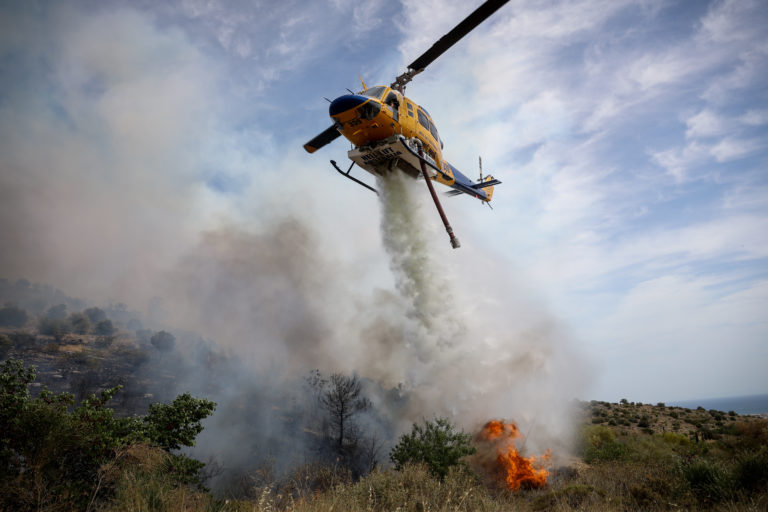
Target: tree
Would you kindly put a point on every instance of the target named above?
(80, 323)
(50, 455)
(104, 328)
(5, 345)
(12, 316)
(56, 327)
(95, 315)
(437, 444)
(177, 424)
(338, 400)
(342, 399)
(58, 312)
(163, 341)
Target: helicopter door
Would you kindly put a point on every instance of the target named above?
(394, 105)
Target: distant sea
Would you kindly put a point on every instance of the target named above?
(753, 404)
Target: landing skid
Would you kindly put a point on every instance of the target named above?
(346, 175)
(425, 173)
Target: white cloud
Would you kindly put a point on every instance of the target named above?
(665, 328)
(679, 161)
(732, 148)
(755, 117)
(705, 124)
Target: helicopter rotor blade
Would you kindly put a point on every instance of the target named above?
(321, 139)
(441, 46)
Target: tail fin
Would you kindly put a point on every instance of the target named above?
(489, 188)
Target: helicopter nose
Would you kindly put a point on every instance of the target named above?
(346, 102)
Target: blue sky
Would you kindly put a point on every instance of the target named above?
(631, 137)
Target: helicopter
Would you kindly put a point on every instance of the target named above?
(389, 131)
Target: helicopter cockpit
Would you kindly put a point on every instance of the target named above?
(374, 92)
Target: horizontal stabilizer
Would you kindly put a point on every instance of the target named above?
(453, 192)
(328, 135)
(485, 184)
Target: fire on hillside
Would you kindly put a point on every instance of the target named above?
(499, 458)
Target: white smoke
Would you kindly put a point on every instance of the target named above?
(103, 196)
(465, 355)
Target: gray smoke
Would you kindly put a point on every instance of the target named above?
(467, 356)
(108, 132)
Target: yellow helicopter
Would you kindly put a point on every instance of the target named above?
(390, 131)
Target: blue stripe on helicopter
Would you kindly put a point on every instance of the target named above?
(346, 102)
(465, 184)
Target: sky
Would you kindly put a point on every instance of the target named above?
(631, 138)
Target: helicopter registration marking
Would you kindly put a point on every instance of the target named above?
(380, 155)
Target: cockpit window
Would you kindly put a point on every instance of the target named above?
(434, 131)
(374, 92)
(392, 99)
(423, 120)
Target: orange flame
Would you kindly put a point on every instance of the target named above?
(509, 466)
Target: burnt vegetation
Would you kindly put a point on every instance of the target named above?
(100, 421)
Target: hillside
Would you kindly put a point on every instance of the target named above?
(629, 456)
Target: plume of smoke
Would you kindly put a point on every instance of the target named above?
(102, 201)
(467, 362)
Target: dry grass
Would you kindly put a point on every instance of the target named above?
(614, 486)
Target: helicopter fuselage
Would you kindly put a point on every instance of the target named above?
(376, 120)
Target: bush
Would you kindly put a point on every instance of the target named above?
(95, 315)
(132, 356)
(12, 316)
(23, 340)
(80, 323)
(50, 457)
(104, 328)
(104, 341)
(751, 471)
(51, 348)
(708, 480)
(163, 341)
(436, 444)
(5, 345)
(599, 445)
(56, 327)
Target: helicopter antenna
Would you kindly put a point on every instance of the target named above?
(459, 31)
(480, 162)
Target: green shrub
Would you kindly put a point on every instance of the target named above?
(5, 345)
(436, 444)
(132, 356)
(599, 445)
(57, 327)
(676, 439)
(708, 480)
(50, 456)
(104, 341)
(23, 340)
(104, 328)
(80, 323)
(51, 348)
(751, 471)
(163, 341)
(12, 316)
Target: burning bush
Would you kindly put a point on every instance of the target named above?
(498, 457)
